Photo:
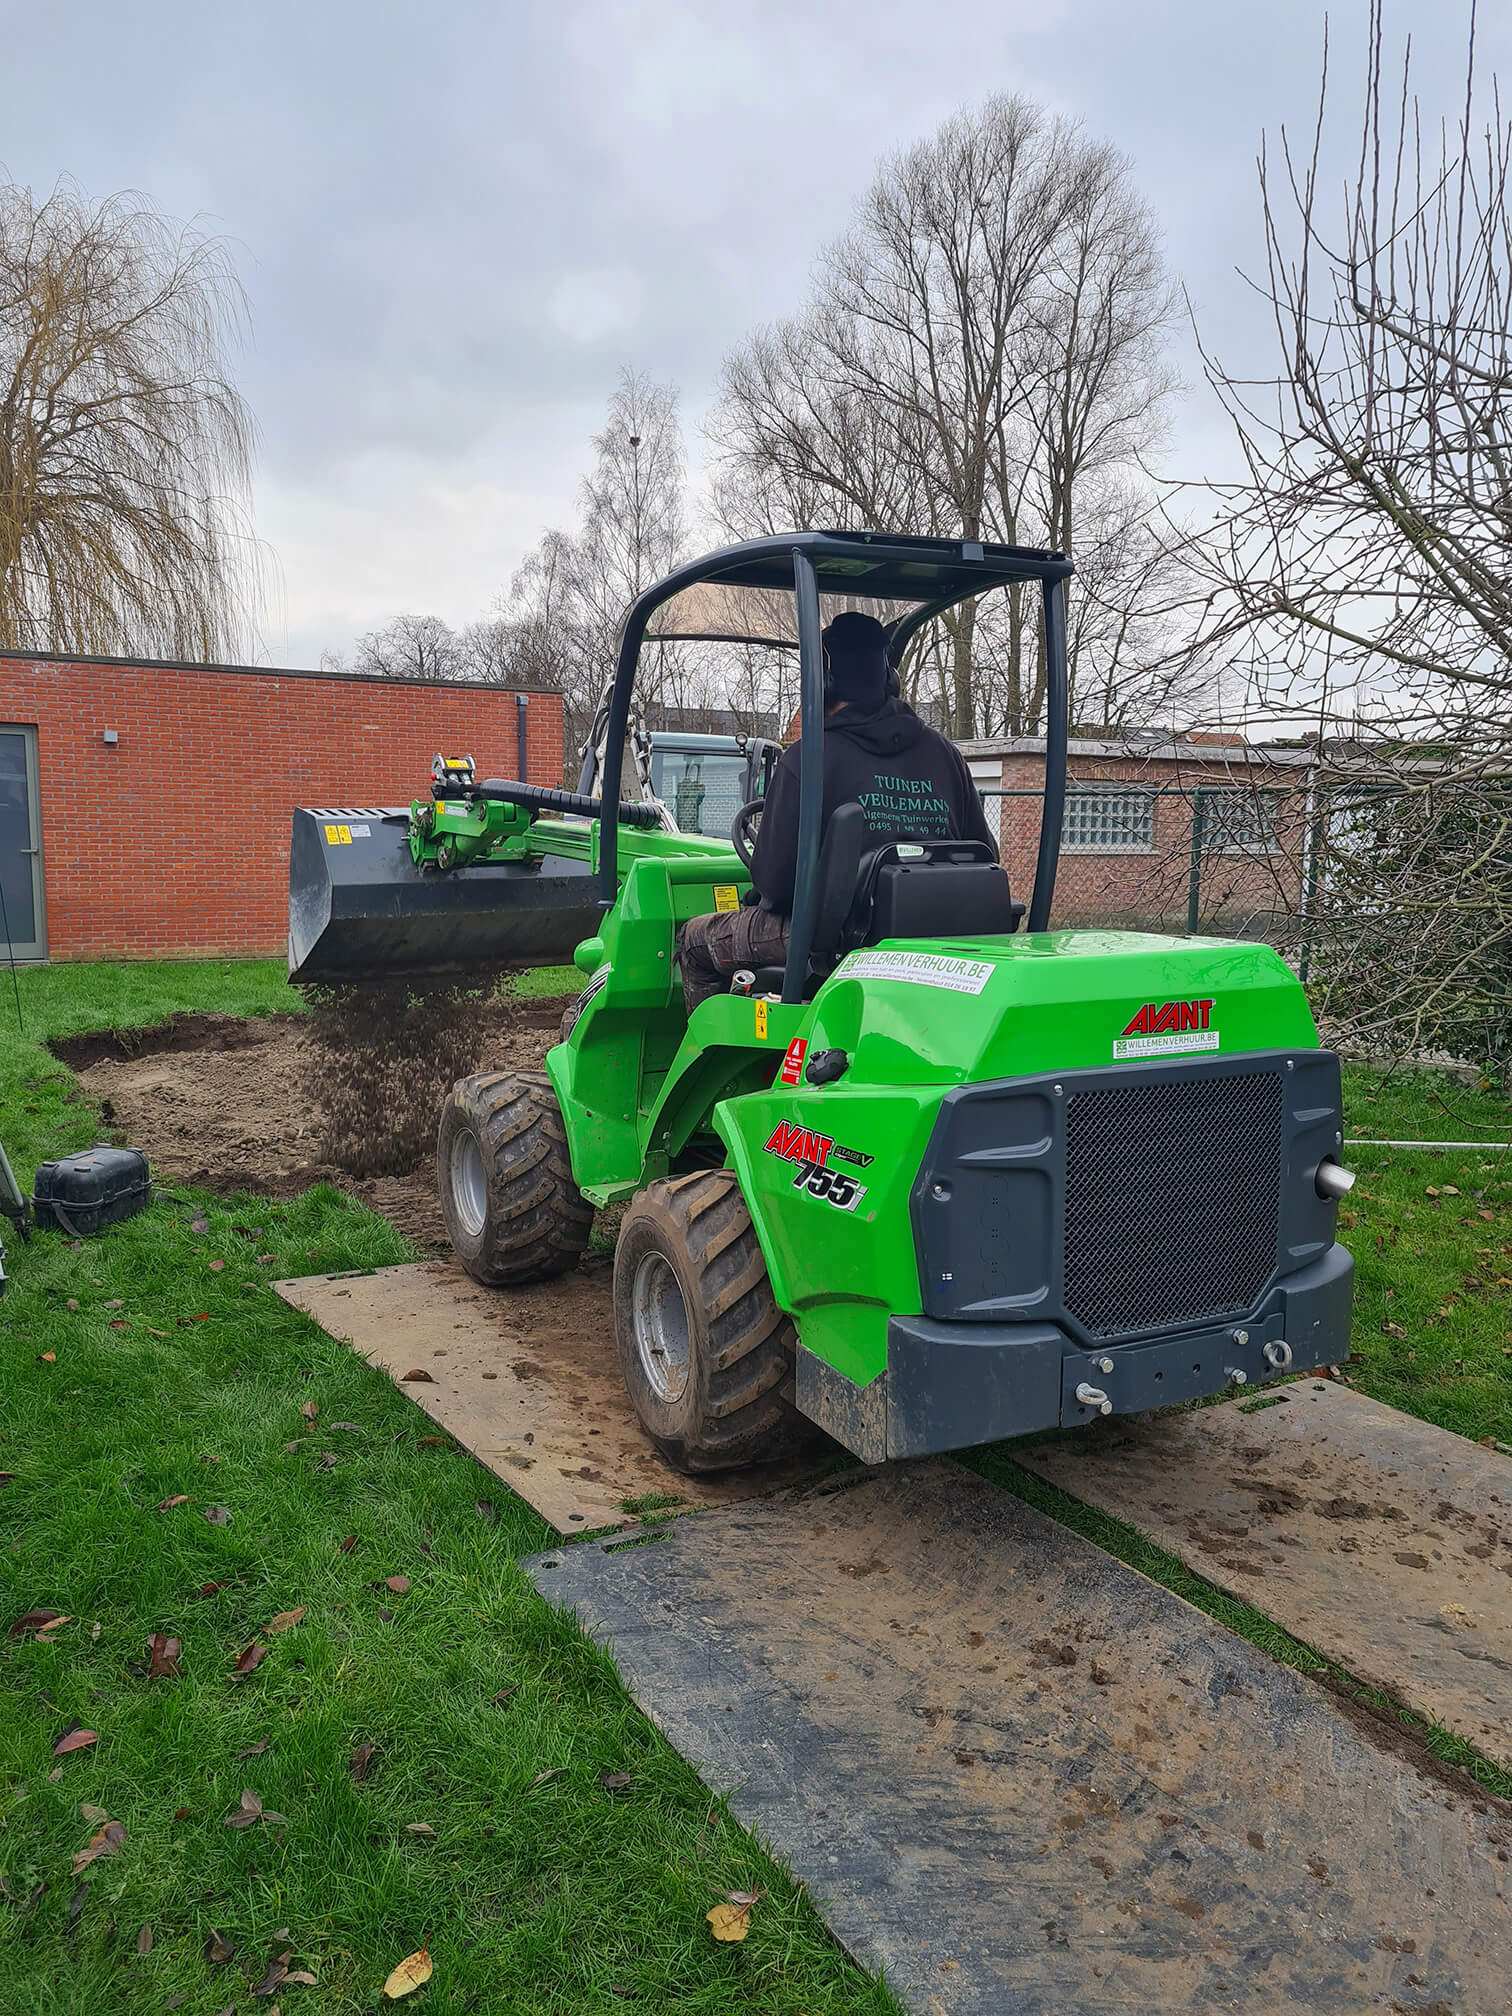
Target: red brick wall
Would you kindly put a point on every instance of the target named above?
(175, 842)
(1237, 891)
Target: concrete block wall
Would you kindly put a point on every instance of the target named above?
(174, 841)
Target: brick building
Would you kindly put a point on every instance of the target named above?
(1147, 818)
(144, 808)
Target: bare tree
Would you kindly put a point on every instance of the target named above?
(1360, 574)
(634, 502)
(125, 451)
(985, 341)
(410, 647)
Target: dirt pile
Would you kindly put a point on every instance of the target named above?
(225, 1102)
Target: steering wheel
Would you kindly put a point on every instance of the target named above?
(743, 830)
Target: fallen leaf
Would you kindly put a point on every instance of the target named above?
(385, 1616)
(422, 1827)
(287, 1619)
(277, 1970)
(360, 1759)
(1393, 1330)
(158, 1333)
(346, 1546)
(504, 1693)
(301, 1979)
(106, 1842)
(199, 1224)
(116, 1302)
(310, 1410)
(541, 1776)
(1450, 1190)
(253, 1750)
(484, 1507)
(615, 1781)
(218, 1515)
(745, 1897)
(47, 1357)
(45, 1631)
(409, 1975)
(418, 1377)
(326, 1460)
(1429, 1191)
(76, 1904)
(74, 1739)
(249, 1661)
(249, 1811)
(211, 1588)
(217, 1266)
(165, 1653)
(144, 1942)
(219, 1950)
(399, 1584)
(345, 1427)
(167, 1504)
(435, 1441)
(87, 1812)
(34, 1620)
(729, 1922)
(181, 1813)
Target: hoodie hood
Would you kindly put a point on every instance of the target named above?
(884, 730)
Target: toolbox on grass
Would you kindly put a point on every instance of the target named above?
(82, 1194)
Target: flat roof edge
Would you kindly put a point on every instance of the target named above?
(266, 672)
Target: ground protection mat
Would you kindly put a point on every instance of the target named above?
(526, 1379)
(1018, 1777)
(1384, 1542)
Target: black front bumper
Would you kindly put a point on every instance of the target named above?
(949, 1385)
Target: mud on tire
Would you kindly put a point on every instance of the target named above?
(512, 1210)
(706, 1353)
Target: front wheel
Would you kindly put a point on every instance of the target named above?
(512, 1211)
(706, 1353)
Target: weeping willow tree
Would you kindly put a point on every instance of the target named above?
(125, 451)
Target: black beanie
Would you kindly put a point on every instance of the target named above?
(855, 652)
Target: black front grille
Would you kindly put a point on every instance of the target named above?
(1173, 1195)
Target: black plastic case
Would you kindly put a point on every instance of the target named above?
(82, 1194)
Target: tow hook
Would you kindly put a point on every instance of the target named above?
(1094, 1396)
(1277, 1355)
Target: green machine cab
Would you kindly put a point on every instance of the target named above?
(946, 1176)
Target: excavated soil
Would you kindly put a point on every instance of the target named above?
(348, 1095)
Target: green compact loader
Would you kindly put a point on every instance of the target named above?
(937, 1180)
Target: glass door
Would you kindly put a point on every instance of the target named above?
(23, 932)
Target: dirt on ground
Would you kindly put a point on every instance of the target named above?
(349, 1095)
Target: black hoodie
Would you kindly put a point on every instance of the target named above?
(908, 780)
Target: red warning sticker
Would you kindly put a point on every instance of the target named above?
(792, 1064)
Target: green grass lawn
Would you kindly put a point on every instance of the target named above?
(179, 1374)
(155, 1363)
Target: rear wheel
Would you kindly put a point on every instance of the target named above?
(706, 1353)
(512, 1210)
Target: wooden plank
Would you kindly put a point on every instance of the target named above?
(527, 1379)
(1018, 1776)
(1380, 1540)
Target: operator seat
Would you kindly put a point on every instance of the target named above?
(942, 889)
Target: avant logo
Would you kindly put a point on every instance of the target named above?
(1154, 1019)
(799, 1144)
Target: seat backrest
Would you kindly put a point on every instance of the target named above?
(944, 889)
(839, 874)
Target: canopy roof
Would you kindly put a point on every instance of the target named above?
(746, 592)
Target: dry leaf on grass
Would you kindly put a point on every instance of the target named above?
(218, 1515)
(47, 1357)
(199, 1224)
(399, 1584)
(615, 1781)
(74, 1738)
(249, 1661)
(211, 1588)
(164, 1653)
(360, 1759)
(167, 1504)
(144, 1942)
(219, 1950)
(106, 1842)
(252, 1750)
(409, 1975)
(287, 1619)
(729, 1922)
(422, 1828)
(217, 1266)
(37, 1621)
(346, 1546)
(248, 1813)
(311, 1410)
(541, 1776)
(278, 1969)
(96, 1813)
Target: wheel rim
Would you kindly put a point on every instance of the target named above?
(469, 1187)
(660, 1316)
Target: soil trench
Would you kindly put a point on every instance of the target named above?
(273, 1106)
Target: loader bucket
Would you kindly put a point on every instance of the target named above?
(359, 908)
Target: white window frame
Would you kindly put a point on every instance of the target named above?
(1250, 842)
(1127, 793)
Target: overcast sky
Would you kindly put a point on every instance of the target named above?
(456, 221)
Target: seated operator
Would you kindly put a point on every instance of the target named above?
(910, 782)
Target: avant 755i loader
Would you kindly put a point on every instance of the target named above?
(937, 1180)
